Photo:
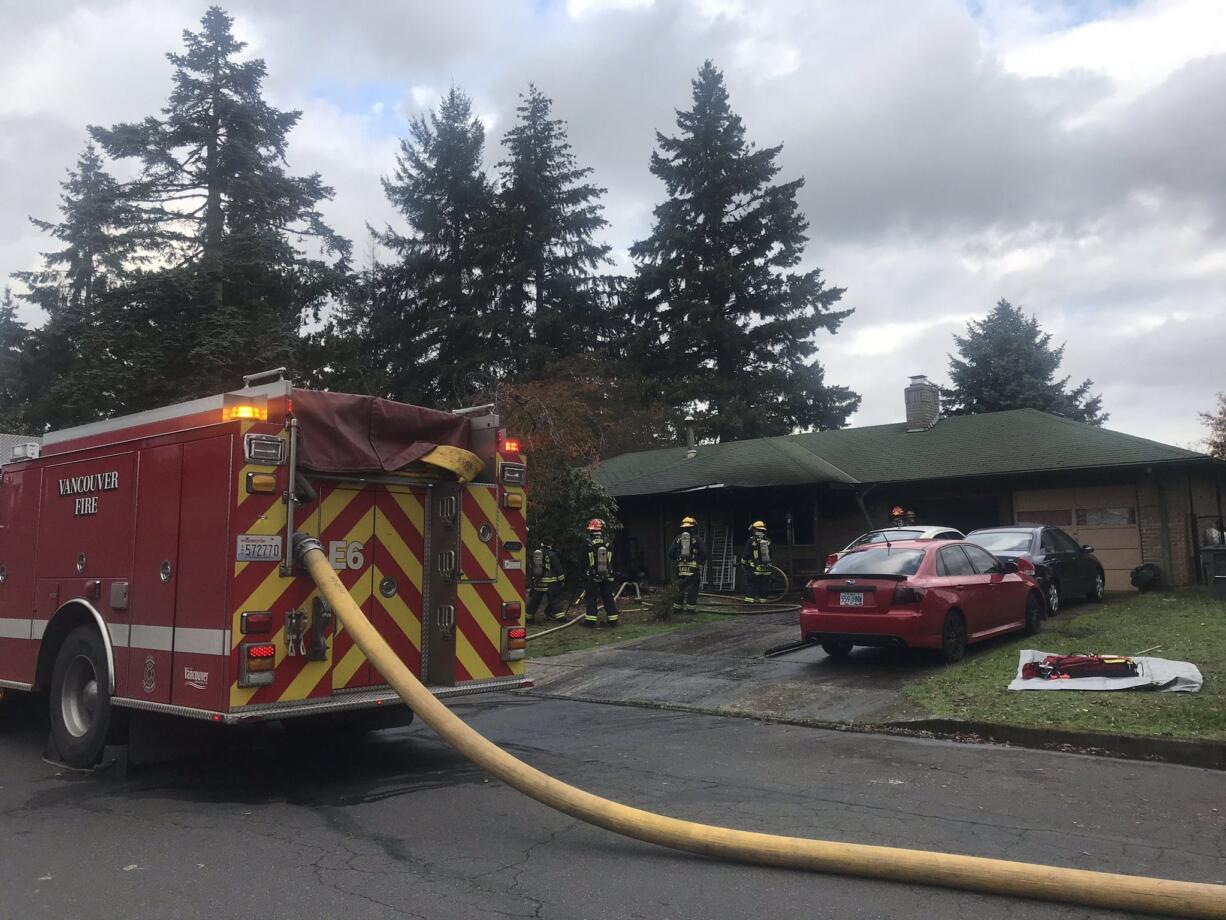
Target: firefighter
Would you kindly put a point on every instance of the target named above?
(756, 557)
(689, 553)
(547, 581)
(598, 576)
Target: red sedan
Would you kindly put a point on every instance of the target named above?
(938, 594)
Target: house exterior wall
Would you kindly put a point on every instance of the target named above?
(1173, 510)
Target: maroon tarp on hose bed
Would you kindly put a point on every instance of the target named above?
(345, 433)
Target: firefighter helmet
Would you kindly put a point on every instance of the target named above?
(595, 524)
(757, 525)
(688, 521)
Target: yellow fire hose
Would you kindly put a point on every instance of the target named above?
(970, 873)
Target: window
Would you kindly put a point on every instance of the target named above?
(879, 562)
(1061, 517)
(1106, 517)
(1064, 543)
(1003, 541)
(1049, 542)
(948, 535)
(953, 561)
(983, 561)
(887, 536)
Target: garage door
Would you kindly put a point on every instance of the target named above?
(1103, 516)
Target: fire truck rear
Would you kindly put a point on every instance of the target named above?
(145, 561)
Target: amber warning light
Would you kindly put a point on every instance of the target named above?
(511, 445)
(244, 408)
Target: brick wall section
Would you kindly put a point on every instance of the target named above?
(1174, 553)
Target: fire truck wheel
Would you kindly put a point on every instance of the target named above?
(80, 701)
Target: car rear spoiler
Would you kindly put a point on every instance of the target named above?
(845, 575)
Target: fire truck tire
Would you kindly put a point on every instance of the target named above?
(1166, 897)
(80, 700)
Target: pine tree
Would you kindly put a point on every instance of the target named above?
(73, 357)
(726, 321)
(1006, 361)
(230, 220)
(425, 320)
(13, 334)
(547, 216)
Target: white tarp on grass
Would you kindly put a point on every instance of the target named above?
(1152, 674)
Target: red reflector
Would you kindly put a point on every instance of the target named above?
(253, 622)
(216, 718)
(517, 632)
(510, 610)
(262, 651)
(511, 445)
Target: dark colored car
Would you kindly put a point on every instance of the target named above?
(937, 594)
(1064, 568)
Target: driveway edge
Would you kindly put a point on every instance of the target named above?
(1208, 755)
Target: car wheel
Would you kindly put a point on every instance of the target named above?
(80, 700)
(1053, 599)
(1100, 587)
(953, 637)
(1034, 613)
(837, 648)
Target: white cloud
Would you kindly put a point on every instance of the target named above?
(1137, 48)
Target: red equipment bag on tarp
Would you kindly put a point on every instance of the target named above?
(346, 433)
(1067, 667)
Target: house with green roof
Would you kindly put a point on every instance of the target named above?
(1135, 500)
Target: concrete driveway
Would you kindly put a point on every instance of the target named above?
(719, 667)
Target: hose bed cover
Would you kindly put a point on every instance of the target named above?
(347, 433)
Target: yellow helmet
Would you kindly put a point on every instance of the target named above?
(688, 521)
(757, 525)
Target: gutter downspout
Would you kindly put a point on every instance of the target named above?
(860, 501)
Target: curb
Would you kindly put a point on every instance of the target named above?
(1209, 755)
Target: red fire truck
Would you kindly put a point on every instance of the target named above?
(145, 562)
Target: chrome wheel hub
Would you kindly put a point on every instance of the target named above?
(79, 699)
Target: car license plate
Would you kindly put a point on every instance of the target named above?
(851, 599)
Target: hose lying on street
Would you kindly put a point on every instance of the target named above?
(970, 873)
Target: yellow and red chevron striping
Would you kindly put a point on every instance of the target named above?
(479, 557)
(399, 547)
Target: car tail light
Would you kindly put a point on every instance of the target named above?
(1025, 566)
(257, 662)
(809, 593)
(831, 560)
(906, 594)
(514, 642)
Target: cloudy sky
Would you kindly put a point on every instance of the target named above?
(1069, 156)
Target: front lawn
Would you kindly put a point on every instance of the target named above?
(1188, 624)
(637, 620)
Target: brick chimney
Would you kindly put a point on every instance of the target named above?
(923, 401)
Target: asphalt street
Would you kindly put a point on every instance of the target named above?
(394, 824)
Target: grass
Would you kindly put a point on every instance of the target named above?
(1188, 624)
(637, 621)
